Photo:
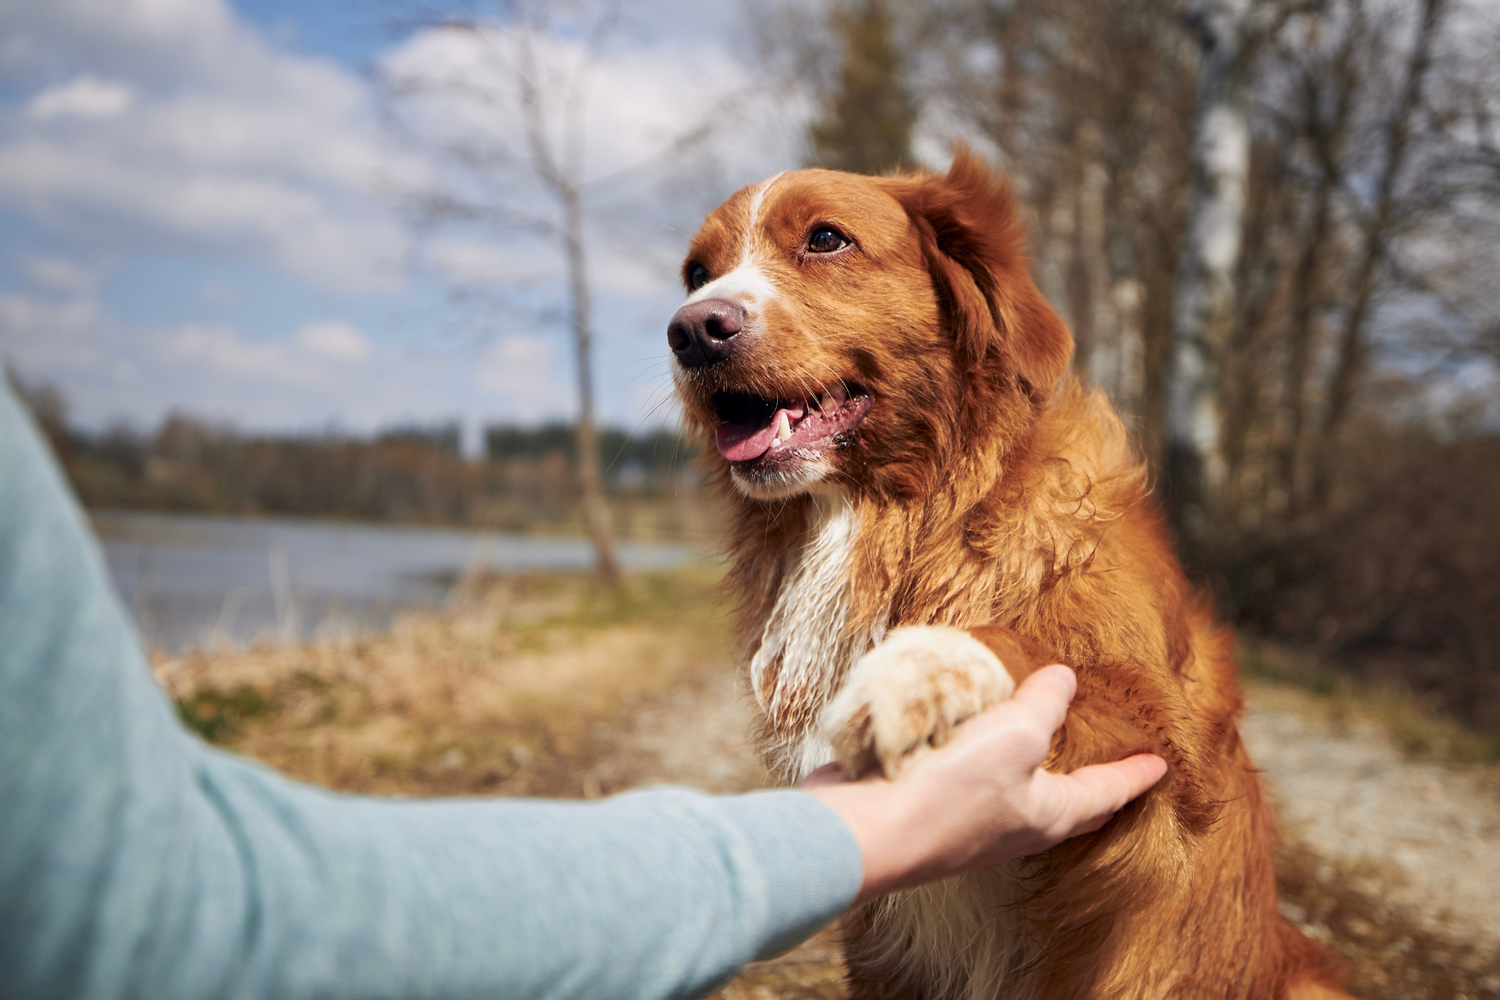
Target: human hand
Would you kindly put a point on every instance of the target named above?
(983, 798)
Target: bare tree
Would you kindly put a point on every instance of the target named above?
(1229, 34)
(525, 149)
(1083, 101)
(1251, 353)
(867, 119)
(1326, 89)
(561, 172)
(1380, 225)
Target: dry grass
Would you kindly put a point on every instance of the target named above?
(1414, 724)
(513, 690)
(545, 685)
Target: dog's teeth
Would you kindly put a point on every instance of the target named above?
(826, 403)
(783, 427)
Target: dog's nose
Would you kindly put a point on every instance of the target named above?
(699, 333)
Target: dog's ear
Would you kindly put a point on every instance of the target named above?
(974, 243)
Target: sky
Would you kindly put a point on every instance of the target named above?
(212, 207)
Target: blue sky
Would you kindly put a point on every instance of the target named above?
(351, 32)
(202, 208)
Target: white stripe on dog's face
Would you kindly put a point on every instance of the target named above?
(757, 202)
(745, 283)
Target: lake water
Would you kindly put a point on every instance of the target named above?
(195, 581)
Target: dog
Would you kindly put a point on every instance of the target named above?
(927, 506)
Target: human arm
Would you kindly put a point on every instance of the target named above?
(136, 862)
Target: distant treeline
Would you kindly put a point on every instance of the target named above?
(630, 460)
(409, 472)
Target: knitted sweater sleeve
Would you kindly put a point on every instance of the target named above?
(137, 862)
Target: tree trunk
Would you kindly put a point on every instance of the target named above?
(595, 508)
(1158, 245)
(1325, 132)
(1080, 283)
(1204, 295)
(1249, 348)
(1352, 348)
(1089, 276)
(1301, 335)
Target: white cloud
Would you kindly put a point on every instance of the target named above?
(638, 100)
(519, 373)
(60, 337)
(29, 317)
(638, 270)
(502, 260)
(201, 136)
(85, 97)
(221, 349)
(335, 340)
(641, 204)
(59, 273)
(318, 354)
(462, 93)
(161, 130)
(474, 261)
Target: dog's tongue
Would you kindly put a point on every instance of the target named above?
(744, 442)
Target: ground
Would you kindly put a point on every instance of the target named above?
(548, 685)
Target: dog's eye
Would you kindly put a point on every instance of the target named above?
(826, 239)
(697, 277)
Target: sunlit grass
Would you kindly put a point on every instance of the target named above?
(503, 692)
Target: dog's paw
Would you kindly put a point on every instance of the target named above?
(905, 696)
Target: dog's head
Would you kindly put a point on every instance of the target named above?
(862, 330)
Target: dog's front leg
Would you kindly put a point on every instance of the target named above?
(904, 697)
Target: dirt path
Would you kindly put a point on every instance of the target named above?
(1406, 851)
(1394, 863)
(697, 734)
(1426, 835)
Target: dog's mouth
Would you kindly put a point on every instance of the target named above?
(753, 428)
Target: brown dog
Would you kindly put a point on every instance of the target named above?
(929, 507)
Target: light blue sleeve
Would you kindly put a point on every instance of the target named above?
(136, 862)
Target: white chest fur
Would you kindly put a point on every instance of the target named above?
(808, 644)
(959, 936)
